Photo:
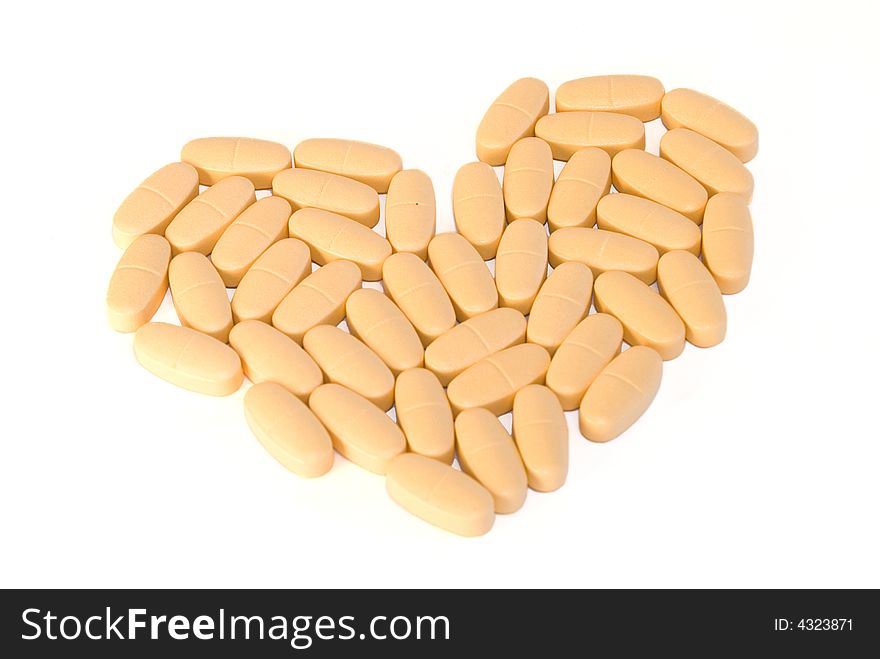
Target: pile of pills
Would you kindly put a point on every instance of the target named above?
(450, 346)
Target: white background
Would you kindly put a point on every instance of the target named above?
(757, 464)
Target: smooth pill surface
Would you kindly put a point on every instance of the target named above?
(380, 324)
(686, 284)
(528, 180)
(716, 168)
(138, 283)
(728, 241)
(541, 435)
(272, 276)
(368, 163)
(647, 220)
(521, 264)
(511, 117)
(603, 251)
(584, 180)
(478, 207)
(417, 292)
(638, 96)
(410, 212)
(424, 415)
(309, 188)
(199, 295)
(562, 302)
(463, 274)
(568, 132)
(215, 158)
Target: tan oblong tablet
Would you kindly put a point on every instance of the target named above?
(569, 132)
(151, 206)
(487, 452)
(647, 220)
(188, 358)
(478, 207)
(410, 212)
(603, 251)
(528, 180)
(215, 158)
(728, 241)
(638, 96)
(620, 394)
(368, 163)
(584, 180)
(288, 430)
(267, 355)
(582, 356)
(561, 304)
(309, 188)
(716, 168)
(360, 431)
(199, 225)
(199, 295)
(463, 274)
(138, 283)
(511, 117)
(440, 495)
(686, 284)
(494, 380)
(417, 292)
(541, 435)
(521, 264)
(686, 108)
(269, 279)
(647, 318)
(381, 325)
(424, 414)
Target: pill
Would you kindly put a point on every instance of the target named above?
(155, 202)
(602, 251)
(267, 355)
(620, 394)
(647, 220)
(562, 302)
(269, 279)
(410, 212)
(590, 346)
(138, 283)
(417, 292)
(469, 342)
(511, 117)
(728, 241)
(528, 180)
(250, 234)
(215, 158)
(198, 226)
(638, 96)
(568, 132)
(521, 264)
(440, 495)
(199, 295)
(584, 180)
(478, 207)
(541, 436)
(647, 318)
(288, 430)
(361, 432)
(309, 188)
(686, 108)
(494, 380)
(487, 453)
(188, 358)
(686, 284)
(381, 325)
(716, 168)
(347, 361)
(371, 164)
(319, 299)
(424, 414)
(464, 276)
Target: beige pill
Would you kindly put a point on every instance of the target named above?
(585, 352)
(199, 295)
(360, 431)
(410, 212)
(463, 274)
(487, 453)
(541, 435)
(603, 251)
(267, 355)
(638, 96)
(728, 241)
(215, 158)
(269, 279)
(199, 225)
(417, 292)
(440, 495)
(569, 132)
(620, 394)
(155, 202)
(347, 361)
(469, 342)
(686, 108)
(319, 299)
(424, 414)
(647, 318)
(377, 321)
(511, 117)
(528, 180)
(288, 430)
(584, 180)
(716, 168)
(647, 220)
(686, 284)
(188, 358)
(138, 283)
(368, 163)
(521, 264)
(478, 207)
(309, 188)
(561, 304)
(494, 380)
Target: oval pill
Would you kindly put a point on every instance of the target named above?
(309, 188)
(478, 207)
(417, 292)
(635, 95)
(647, 220)
(728, 241)
(686, 284)
(424, 415)
(521, 264)
(528, 180)
(511, 117)
(199, 295)
(584, 180)
(138, 283)
(463, 274)
(562, 302)
(602, 251)
(410, 212)
(371, 164)
(376, 320)
(269, 279)
(569, 132)
(716, 168)
(215, 158)
(541, 436)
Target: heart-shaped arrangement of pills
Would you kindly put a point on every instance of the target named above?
(448, 344)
